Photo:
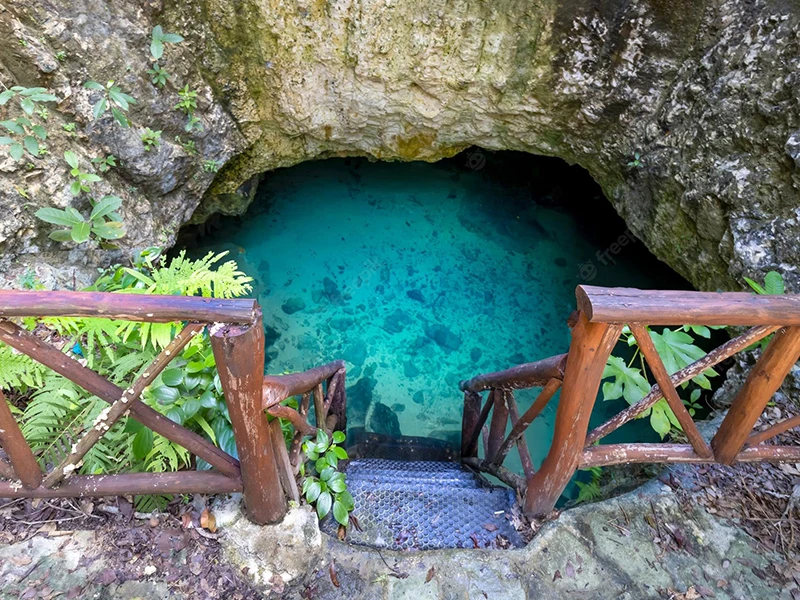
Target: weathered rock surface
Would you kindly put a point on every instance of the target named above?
(705, 92)
(598, 551)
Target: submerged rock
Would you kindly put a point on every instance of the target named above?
(397, 321)
(419, 397)
(446, 339)
(383, 420)
(356, 352)
(359, 399)
(415, 295)
(293, 305)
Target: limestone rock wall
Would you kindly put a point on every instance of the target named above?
(704, 92)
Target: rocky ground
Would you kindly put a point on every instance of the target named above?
(694, 533)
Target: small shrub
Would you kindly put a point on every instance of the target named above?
(210, 166)
(151, 139)
(327, 490)
(104, 163)
(158, 75)
(81, 180)
(113, 98)
(188, 101)
(103, 222)
(159, 38)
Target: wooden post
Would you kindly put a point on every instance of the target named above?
(591, 345)
(19, 452)
(498, 424)
(469, 424)
(763, 381)
(239, 352)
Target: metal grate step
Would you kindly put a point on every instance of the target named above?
(426, 505)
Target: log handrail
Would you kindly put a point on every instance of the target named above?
(146, 308)
(673, 307)
(600, 318)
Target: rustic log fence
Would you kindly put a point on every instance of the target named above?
(265, 471)
(602, 313)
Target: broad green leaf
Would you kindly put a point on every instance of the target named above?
(331, 458)
(327, 473)
(339, 452)
(41, 97)
(755, 285)
(5, 140)
(90, 177)
(340, 513)
(112, 230)
(93, 85)
(166, 394)
(80, 232)
(74, 214)
(39, 132)
(31, 145)
(72, 159)
(195, 366)
(175, 414)
(337, 485)
(99, 107)
(156, 48)
(677, 349)
(27, 105)
(61, 235)
(172, 377)
(191, 381)
(347, 500)
(314, 490)
(190, 408)
(773, 283)
(107, 204)
(208, 400)
(324, 502)
(16, 151)
(6, 96)
(338, 437)
(55, 216)
(120, 117)
(142, 443)
(172, 38)
(75, 188)
(13, 127)
(628, 382)
(320, 464)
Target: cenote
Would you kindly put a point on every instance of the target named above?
(420, 275)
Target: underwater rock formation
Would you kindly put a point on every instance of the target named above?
(704, 94)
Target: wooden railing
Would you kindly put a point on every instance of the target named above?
(602, 313)
(264, 472)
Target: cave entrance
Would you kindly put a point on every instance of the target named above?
(420, 275)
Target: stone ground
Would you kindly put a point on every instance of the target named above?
(659, 541)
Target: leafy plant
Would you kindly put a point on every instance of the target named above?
(677, 349)
(188, 101)
(159, 38)
(104, 163)
(327, 491)
(773, 285)
(210, 166)
(193, 123)
(589, 491)
(58, 411)
(81, 180)
(103, 222)
(61, 56)
(637, 160)
(188, 146)
(29, 98)
(158, 75)
(69, 127)
(113, 98)
(24, 136)
(151, 139)
(42, 113)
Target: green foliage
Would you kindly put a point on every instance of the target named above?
(210, 166)
(188, 146)
(188, 102)
(158, 75)
(327, 490)
(151, 139)
(112, 98)
(104, 163)
(24, 135)
(81, 180)
(188, 391)
(29, 98)
(637, 160)
(677, 349)
(61, 56)
(103, 222)
(589, 491)
(29, 281)
(69, 127)
(159, 38)
(773, 286)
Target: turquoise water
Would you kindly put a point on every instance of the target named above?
(421, 275)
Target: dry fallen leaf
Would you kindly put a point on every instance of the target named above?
(490, 527)
(431, 573)
(21, 561)
(208, 520)
(332, 571)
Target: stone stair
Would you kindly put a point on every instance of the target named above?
(426, 505)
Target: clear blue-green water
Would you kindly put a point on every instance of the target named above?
(420, 275)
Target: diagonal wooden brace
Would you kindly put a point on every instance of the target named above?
(23, 463)
(108, 417)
